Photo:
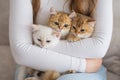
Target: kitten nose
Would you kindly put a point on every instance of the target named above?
(60, 28)
(76, 32)
(42, 44)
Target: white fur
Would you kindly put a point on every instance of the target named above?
(44, 33)
(53, 11)
(64, 34)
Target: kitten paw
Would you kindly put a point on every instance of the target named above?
(51, 75)
(70, 71)
(72, 38)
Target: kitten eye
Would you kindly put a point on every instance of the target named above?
(74, 27)
(48, 41)
(40, 73)
(66, 25)
(56, 23)
(82, 30)
(39, 40)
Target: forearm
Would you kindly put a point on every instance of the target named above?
(93, 65)
(42, 59)
(39, 59)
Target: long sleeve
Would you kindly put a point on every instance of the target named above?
(24, 52)
(98, 44)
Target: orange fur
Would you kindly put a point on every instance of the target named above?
(51, 75)
(60, 21)
(82, 27)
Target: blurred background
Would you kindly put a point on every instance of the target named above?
(7, 64)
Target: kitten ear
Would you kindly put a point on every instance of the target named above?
(57, 34)
(53, 11)
(92, 23)
(35, 27)
(73, 15)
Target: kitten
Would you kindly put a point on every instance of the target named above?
(44, 36)
(60, 21)
(82, 27)
(47, 75)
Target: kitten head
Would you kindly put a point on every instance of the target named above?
(82, 26)
(44, 36)
(59, 21)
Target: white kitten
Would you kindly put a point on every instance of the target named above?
(45, 36)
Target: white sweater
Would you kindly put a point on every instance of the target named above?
(65, 55)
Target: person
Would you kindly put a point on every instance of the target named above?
(83, 56)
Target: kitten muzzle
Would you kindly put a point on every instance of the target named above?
(75, 34)
(42, 45)
(60, 28)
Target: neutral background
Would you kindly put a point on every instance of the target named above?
(7, 64)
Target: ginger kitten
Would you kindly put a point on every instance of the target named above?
(60, 21)
(82, 27)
